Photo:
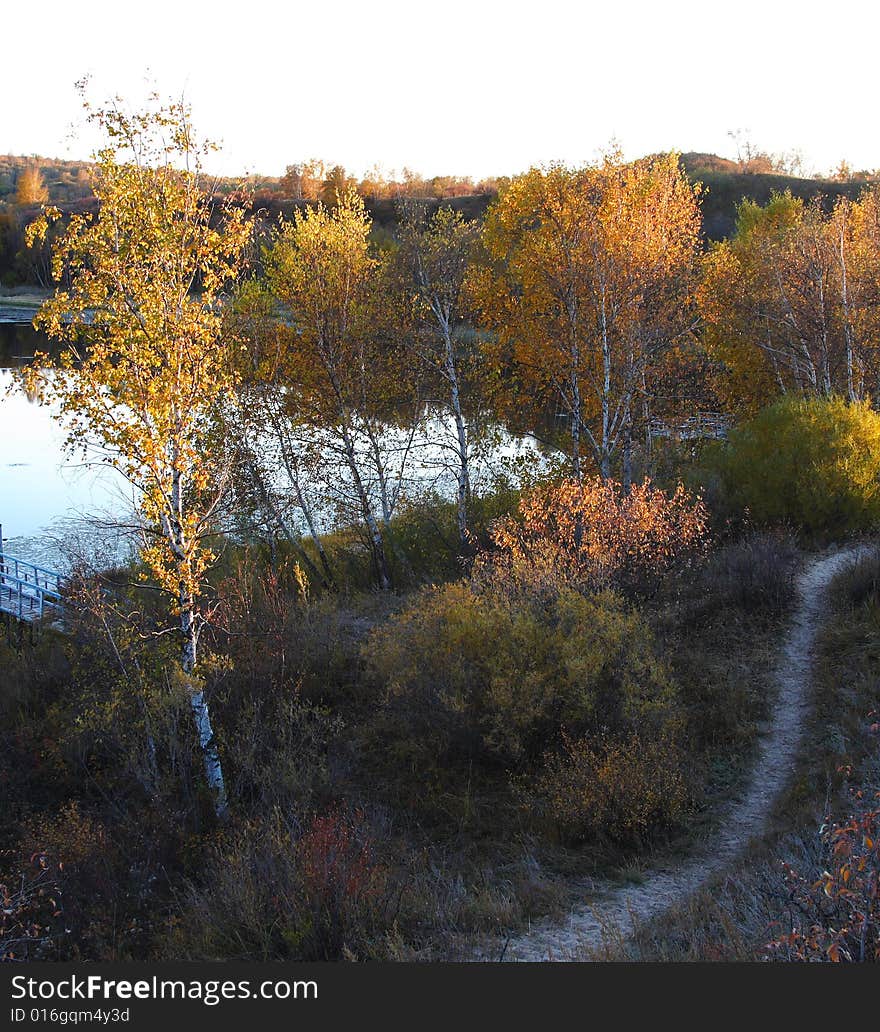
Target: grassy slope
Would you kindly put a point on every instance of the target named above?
(726, 187)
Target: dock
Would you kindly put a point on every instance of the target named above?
(28, 592)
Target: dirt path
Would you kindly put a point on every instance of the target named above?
(613, 909)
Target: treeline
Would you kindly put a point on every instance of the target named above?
(27, 182)
(583, 309)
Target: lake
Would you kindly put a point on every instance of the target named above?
(46, 497)
(43, 494)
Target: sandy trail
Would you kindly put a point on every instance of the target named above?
(614, 909)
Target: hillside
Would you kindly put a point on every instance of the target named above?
(726, 186)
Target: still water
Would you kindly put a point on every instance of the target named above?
(49, 501)
(44, 495)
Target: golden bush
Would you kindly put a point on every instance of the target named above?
(484, 674)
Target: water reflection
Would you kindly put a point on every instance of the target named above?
(18, 342)
(44, 493)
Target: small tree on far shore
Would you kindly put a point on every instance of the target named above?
(30, 188)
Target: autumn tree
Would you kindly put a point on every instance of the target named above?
(855, 231)
(150, 381)
(342, 371)
(434, 257)
(790, 303)
(337, 184)
(588, 283)
(314, 180)
(304, 180)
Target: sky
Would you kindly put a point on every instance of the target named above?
(470, 87)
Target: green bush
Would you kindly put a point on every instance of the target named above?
(485, 675)
(814, 464)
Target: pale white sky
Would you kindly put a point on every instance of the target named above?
(474, 87)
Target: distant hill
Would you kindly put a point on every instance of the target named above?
(727, 184)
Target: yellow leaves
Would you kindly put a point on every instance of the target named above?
(583, 662)
(589, 275)
(153, 372)
(790, 294)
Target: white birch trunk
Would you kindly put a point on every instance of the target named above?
(202, 717)
(847, 323)
(463, 471)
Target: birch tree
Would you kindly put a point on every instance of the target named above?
(435, 255)
(589, 278)
(344, 373)
(790, 302)
(146, 372)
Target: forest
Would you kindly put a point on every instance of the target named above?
(470, 520)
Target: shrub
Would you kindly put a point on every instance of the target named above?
(589, 534)
(74, 860)
(487, 675)
(272, 891)
(621, 788)
(836, 914)
(814, 464)
(29, 910)
(755, 575)
(341, 880)
(859, 584)
(277, 633)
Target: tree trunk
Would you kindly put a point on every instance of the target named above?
(576, 429)
(201, 715)
(605, 465)
(328, 578)
(463, 472)
(376, 541)
(375, 533)
(847, 324)
(627, 449)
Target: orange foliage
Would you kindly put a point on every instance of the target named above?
(589, 534)
(840, 912)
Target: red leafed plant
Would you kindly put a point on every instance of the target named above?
(343, 887)
(335, 855)
(837, 917)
